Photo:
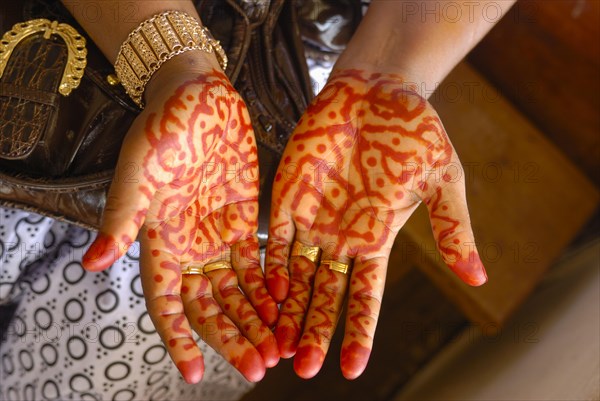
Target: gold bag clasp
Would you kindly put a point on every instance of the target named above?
(77, 52)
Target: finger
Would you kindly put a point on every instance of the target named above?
(217, 330)
(235, 305)
(364, 303)
(321, 319)
(281, 234)
(137, 176)
(452, 230)
(293, 310)
(161, 281)
(246, 263)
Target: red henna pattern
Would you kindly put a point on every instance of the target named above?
(359, 307)
(192, 370)
(277, 279)
(354, 359)
(197, 197)
(321, 325)
(218, 330)
(252, 328)
(249, 364)
(360, 160)
(263, 303)
(321, 321)
(291, 316)
(308, 360)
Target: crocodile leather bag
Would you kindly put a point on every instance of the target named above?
(63, 116)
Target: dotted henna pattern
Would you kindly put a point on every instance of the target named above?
(367, 151)
(194, 200)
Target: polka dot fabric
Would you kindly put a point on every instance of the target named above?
(77, 335)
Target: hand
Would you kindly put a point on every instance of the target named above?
(367, 151)
(194, 199)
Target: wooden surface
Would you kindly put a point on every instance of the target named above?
(527, 200)
(545, 57)
(558, 326)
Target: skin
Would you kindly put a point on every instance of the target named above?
(366, 153)
(179, 224)
(193, 198)
(186, 186)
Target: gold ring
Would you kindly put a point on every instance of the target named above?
(220, 264)
(336, 266)
(209, 267)
(312, 253)
(192, 270)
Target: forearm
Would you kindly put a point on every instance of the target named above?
(109, 22)
(420, 40)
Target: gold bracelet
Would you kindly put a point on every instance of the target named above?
(157, 40)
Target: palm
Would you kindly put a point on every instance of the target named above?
(362, 158)
(208, 199)
(195, 201)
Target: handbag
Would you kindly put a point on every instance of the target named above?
(63, 115)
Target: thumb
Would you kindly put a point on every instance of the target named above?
(125, 211)
(137, 177)
(452, 230)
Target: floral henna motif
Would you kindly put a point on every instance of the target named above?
(365, 154)
(194, 199)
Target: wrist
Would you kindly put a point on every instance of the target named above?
(180, 69)
(370, 77)
(416, 76)
(157, 40)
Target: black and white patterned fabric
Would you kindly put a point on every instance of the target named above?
(76, 335)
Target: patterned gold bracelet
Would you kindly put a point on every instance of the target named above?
(157, 40)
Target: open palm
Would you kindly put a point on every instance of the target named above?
(367, 151)
(194, 200)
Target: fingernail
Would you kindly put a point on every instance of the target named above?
(101, 254)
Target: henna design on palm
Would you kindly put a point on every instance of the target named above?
(195, 201)
(367, 151)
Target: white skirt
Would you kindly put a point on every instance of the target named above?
(77, 335)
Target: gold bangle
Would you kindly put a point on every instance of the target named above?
(157, 40)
